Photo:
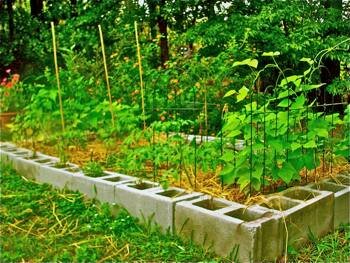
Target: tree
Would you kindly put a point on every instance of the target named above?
(11, 22)
(36, 8)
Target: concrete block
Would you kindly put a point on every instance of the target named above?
(100, 188)
(303, 211)
(341, 200)
(343, 179)
(58, 177)
(230, 229)
(151, 203)
(21, 160)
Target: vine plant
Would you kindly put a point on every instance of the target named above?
(282, 130)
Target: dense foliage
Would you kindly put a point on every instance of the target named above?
(279, 60)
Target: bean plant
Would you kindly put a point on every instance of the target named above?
(283, 131)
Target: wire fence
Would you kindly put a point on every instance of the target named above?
(274, 142)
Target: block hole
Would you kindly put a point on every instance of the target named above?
(10, 149)
(21, 153)
(141, 186)
(300, 194)
(246, 214)
(113, 179)
(173, 193)
(73, 170)
(43, 161)
(59, 165)
(279, 203)
(211, 204)
(331, 187)
(341, 180)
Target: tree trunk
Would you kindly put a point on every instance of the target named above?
(329, 72)
(163, 30)
(11, 22)
(331, 68)
(152, 8)
(73, 4)
(36, 8)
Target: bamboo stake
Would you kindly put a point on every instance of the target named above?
(57, 74)
(140, 71)
(106, 74)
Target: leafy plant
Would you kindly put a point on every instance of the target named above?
(93, 169)
(277, 132)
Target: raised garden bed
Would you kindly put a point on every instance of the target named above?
(258, 232)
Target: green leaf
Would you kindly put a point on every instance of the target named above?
(230, 93)
(243, 182)
(306, 87)
(308, 60)
(287, 172)
(249, 62)
(227, 157)
(298, 103)
(322, 133)
(284, 103)
(242, 93)
(295, 145)
(258, 171)
(309, 160)
(295, 79)
(228, 175)
(271, 54)
(310, 144)
(233, 134)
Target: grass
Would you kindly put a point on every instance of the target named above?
(332, 248)
(39, 224)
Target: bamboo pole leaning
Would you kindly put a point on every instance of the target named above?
(57, 74)
(106, 74)
(140, 72)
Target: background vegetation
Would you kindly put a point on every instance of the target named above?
(272, 56)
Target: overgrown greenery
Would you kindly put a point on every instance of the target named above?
(190, 52)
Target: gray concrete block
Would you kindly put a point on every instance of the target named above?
(22, 161)
(151, 203)
(58, 177)
(228, 228)
(303, 211)
(341, 200)
(106, 186)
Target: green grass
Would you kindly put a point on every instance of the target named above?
(42, 224)
(332, 248)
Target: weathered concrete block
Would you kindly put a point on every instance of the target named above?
(100, 188)
(151, 203)
(58, 177)
(343, 179)
(22, 161)
(341, 200)
(303, 211)
(230, 229)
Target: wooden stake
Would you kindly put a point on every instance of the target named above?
(57, 74)
(141, 80)
(106, 74)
